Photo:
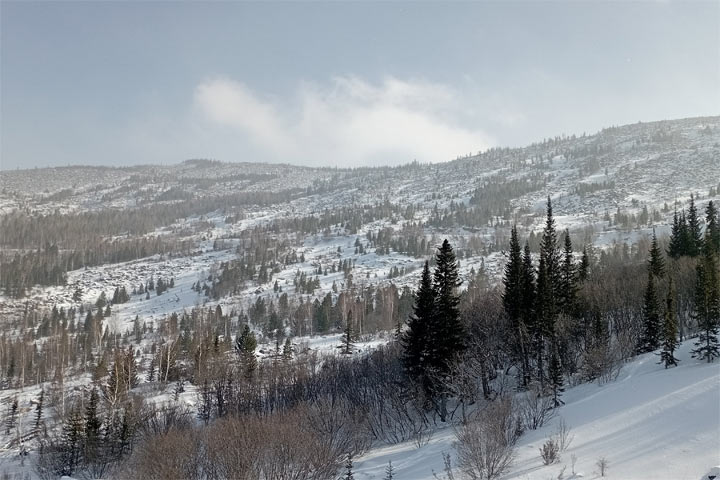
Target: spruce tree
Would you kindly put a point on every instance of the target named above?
(245, 345)
(584, 268)
(656, 264)
(670, 329)
(675, 247)
(650, 339)
(348, 468)
(347, 347)
(448, 332)
(712, 229)
(694, 235)
(416, 338)
(513, 301)
(568, 279)
(555, 376)
(389, 471)
(706, 309)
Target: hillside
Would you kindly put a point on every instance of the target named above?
(648, 423)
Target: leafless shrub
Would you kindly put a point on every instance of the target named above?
(176, 454)
(535, 409)
(486, 445)
(563, 437)
(550, 452)
(602, 464)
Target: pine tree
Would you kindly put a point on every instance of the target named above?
(712, 229)
(93, 424)
(555, 376)
(12, 416)
(694, 235)
(568, 279)
(245, 345)
(415, 339)
(656, 263)
(513, 301)
(447, 332)
(706, 309)
(349, 468)
(650, 339)
(670, 329)
(584, 269)
(348, 335)
(389, 471)
(39, 409)
(675, 248)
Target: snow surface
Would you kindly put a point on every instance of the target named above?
(650, 423)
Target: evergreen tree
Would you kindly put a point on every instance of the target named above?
(93, 424)
(568, 279)
(555, 376)
(656, 263)
(513, 302)
(670, 329)
(389, 471)
(584, 269)
(348, 468)
(650, 339)
(706, 309)
(416, 338)
(712, 229)
(447, 331)
(348, 346)
(694, 235)
(245, 346)
(39, 408)
(675, 247)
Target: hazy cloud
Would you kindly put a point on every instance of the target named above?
(347, 122)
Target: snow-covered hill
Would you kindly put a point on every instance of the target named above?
(650, 423)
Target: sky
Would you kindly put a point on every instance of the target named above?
(339, 83)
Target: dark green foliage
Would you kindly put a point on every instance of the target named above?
(245, 345)
(416, 338)
(650, 339)
(567, 300)
(447, 332)
(347, 347)
(712, 229)
(706, 309)
(656, 263)
(669, 329)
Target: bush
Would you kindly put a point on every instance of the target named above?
(550, 452)
(486, 445)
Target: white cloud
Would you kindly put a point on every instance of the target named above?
(348, 122)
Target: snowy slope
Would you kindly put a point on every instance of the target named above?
(650, 423)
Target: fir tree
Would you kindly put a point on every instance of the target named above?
(670, 329)
(447, 332)
(650, 339)
(245, 346)
(555, 376)
(568, 279)
(675, 247)
(416, 338)
(656, 263)
(39, 408)
(513, 301)
(389, 471)
(712, 229)
(706, 309)
(584, 268)
(694, 235)
(347, 347)
(348, 468)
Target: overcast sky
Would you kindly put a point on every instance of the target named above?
(339, 83)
